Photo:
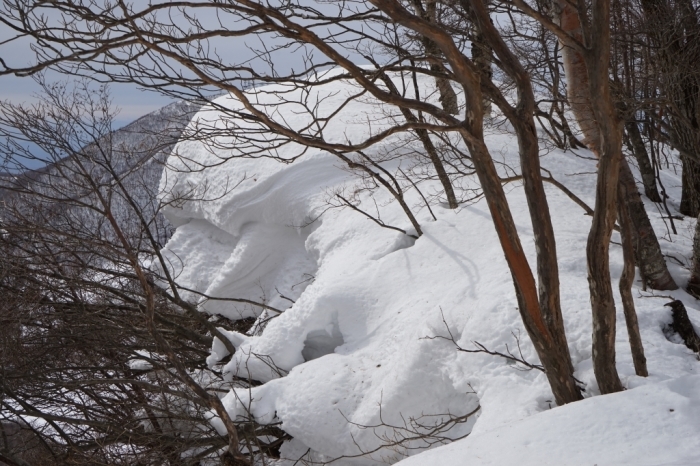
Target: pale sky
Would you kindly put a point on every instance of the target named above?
(129, 98)
(132, 102)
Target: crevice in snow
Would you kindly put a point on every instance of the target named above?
(321, 342)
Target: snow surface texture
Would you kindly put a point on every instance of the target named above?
(354, 350)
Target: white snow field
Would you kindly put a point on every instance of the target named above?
(354, 363)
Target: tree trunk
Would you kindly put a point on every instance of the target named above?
(690, 191)
(694, 282)
(682, 325)
(597, 250)
(552, 345)
(649, 256)
(642, 156)
(428, 145)
(597, 60)
(626, 281)
(652, 265)
(576, 72)
(481, 55)
(448, 97)
(551, 348)
(471, 131)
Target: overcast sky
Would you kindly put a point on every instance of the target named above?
(134, 102)
(131, 101)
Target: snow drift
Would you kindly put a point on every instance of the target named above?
(353, 362)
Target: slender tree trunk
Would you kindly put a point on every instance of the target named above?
(472, 133)
(650, 259)
(597, 251)
(448, 97)
(677, 57)
(577, 81)
(682, 325)
(652, 265)
(481, 55)
(626, 281)
(694, 282)
(597, 61)
(551, 348)
(690, 191)
(444, 178)
(553, 351)
(642, 156)
(429, 147)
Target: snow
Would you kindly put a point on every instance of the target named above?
(353, 362)
(653, 425)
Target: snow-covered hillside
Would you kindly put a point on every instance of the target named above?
(352, 364)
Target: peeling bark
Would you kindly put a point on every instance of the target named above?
(649, 256)
(577, 83)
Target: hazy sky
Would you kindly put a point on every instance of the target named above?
(129, 98)
(131, 101)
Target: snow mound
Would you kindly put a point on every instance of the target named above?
(354, 360)
(653, 425)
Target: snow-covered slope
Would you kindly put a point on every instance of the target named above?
(653, 425)
(352, 365)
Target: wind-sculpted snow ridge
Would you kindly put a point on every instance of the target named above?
(354, 350)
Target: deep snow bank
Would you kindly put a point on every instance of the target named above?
(653, 425)
(353, 345)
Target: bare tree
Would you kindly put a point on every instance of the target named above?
(167, 47)
(103, 365)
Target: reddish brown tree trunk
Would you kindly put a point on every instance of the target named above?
(472, 132)
(626, 280)
(650, 259)
(553, 350)
(597, 249)
(577, 83)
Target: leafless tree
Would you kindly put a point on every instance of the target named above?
(171, 48)
(101, 363)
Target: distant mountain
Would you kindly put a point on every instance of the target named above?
(136, 153)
